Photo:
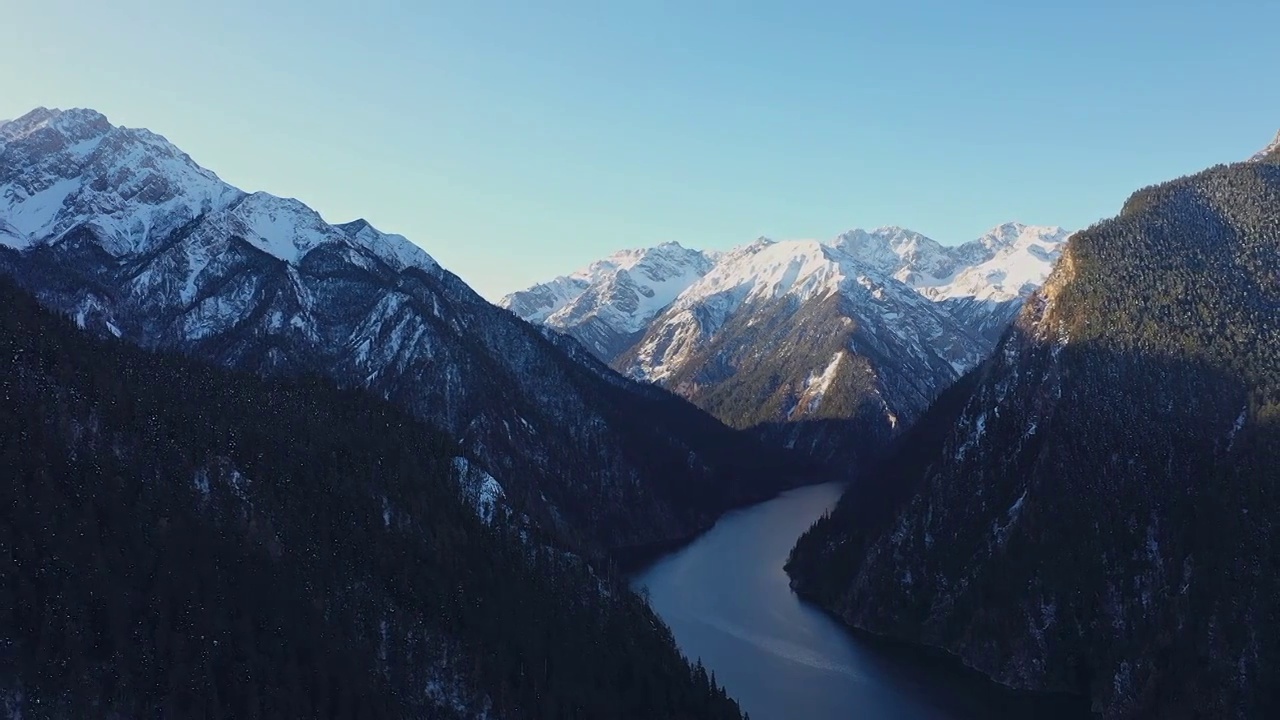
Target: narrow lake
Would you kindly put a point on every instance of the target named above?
(727, 601)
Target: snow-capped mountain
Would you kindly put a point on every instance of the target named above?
(807, 342)
(1268, 151)
(1008, 262)
(128, 235)
(994, 274)
(133, 190)
(898, 252)
(982, 281)
(770, 333)
(608, 303)
(798, 272)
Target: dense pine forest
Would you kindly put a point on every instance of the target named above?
(1094, 511)
(185, 541)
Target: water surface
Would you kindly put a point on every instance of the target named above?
(728, 602)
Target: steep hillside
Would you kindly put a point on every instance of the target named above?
(125, 233)
(1097, 515)
(185, 541)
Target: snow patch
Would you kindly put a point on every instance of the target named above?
(481, 491)
(622, 292)
(201, 482)
(1237, 426)
(816, 386)
(1000, 532)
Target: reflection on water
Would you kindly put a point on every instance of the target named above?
(728, 602)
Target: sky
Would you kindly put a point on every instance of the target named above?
(517, 141)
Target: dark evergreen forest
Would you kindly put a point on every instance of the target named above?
(179, 540)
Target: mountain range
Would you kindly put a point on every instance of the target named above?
(1091, 510)
(125, 233)
(826, 347)
(424, 486)
(268, 465)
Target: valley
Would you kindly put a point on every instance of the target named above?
(730, 607)
(863, 330)
(268, 465)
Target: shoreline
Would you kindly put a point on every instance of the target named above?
(948, 667)
(1071, 704)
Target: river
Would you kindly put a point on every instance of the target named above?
(726, 599)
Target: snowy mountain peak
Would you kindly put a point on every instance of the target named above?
(607, 302)
(610, 300)
(69, 169)
(811, 306)
(76, 124)
(803, 270)
(1272, 150)
(893, 249)
(1006, 263)
(396, 250)
(119, 231)
(66, 169)
(1012, 233)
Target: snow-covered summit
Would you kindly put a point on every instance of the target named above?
(68, 169)
(898, 251)
(1000, 265)
(612, 299)
(122, 233)
(396, 250)
(609, 301)
(1008, 262)
(1269, 150)
(774, 332)
(768, 269)
(750, 279)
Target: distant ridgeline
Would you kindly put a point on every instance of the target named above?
(186, 541)
(829, 348)
(1094, 509)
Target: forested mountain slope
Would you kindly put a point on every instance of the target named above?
(1097, 514)
(122, 231)
(181, 540)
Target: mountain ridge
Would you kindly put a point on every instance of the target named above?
(126, 234)
(1090, 512)
(607, 303)
(895, 317)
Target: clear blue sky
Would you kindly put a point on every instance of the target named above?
(516, 143)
